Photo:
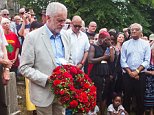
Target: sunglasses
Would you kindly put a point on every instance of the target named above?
(75, 26)
(5, 14)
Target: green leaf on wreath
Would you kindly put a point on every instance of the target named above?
(9, 48)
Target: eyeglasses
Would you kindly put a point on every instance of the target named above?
(75, 26)
(5, 14)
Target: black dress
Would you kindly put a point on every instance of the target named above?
(149, 92)
(99, 73)
(117, 72)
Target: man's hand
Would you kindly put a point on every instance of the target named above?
(130, 74)
(134, 74)
(137, 77)
(6, 76)
(79, 66)
(7, 63)
(13, 61)
(49, 79)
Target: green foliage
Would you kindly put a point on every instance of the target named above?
(105, 12)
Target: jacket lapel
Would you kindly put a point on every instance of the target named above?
(65, 43)
(46, 39)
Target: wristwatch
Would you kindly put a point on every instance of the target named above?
(137, 71)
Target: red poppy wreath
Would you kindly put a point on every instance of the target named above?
(73, 88)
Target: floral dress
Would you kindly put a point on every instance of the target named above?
(149, 92)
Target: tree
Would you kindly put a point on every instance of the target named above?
(3, 4)
(106, 13)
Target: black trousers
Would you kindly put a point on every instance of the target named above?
(3, 106)
(134, 89)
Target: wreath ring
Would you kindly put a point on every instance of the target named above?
(73, 88)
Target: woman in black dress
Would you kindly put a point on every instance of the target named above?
(149, 91)
(98, 55)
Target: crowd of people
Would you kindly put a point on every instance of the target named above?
(120, 63)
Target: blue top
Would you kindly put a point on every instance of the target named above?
(135, 53)
(57, 45)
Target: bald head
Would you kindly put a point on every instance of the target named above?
(92, 23)
(92, 27)
(76, 24)
(77, 19)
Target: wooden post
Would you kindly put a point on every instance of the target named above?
(11, 95)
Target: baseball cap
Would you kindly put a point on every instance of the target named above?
(22, 10)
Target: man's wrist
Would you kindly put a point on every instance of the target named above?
(137, 71)
(82, 63)
(129, 72)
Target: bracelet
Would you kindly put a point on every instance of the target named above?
(137, 71)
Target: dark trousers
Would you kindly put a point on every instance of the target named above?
(134, 89)
(3, 106)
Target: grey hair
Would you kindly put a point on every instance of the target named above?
(55, 7)
(138, 25)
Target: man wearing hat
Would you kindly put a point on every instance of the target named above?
(43, 16)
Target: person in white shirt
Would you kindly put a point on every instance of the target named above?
(79, 42)
(116, 107)
(5, 14)
(4, 61)
(94, 112)
(5, 64)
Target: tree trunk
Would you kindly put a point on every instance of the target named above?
(3, 4)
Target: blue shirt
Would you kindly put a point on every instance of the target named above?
(135, 53)
(57, 46)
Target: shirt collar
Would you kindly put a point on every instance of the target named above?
(50, 33)
(73, 32)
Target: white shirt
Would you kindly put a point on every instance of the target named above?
(79, 45)
(135, 53)
(96, 109)
(2, 41)
(111, 109)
